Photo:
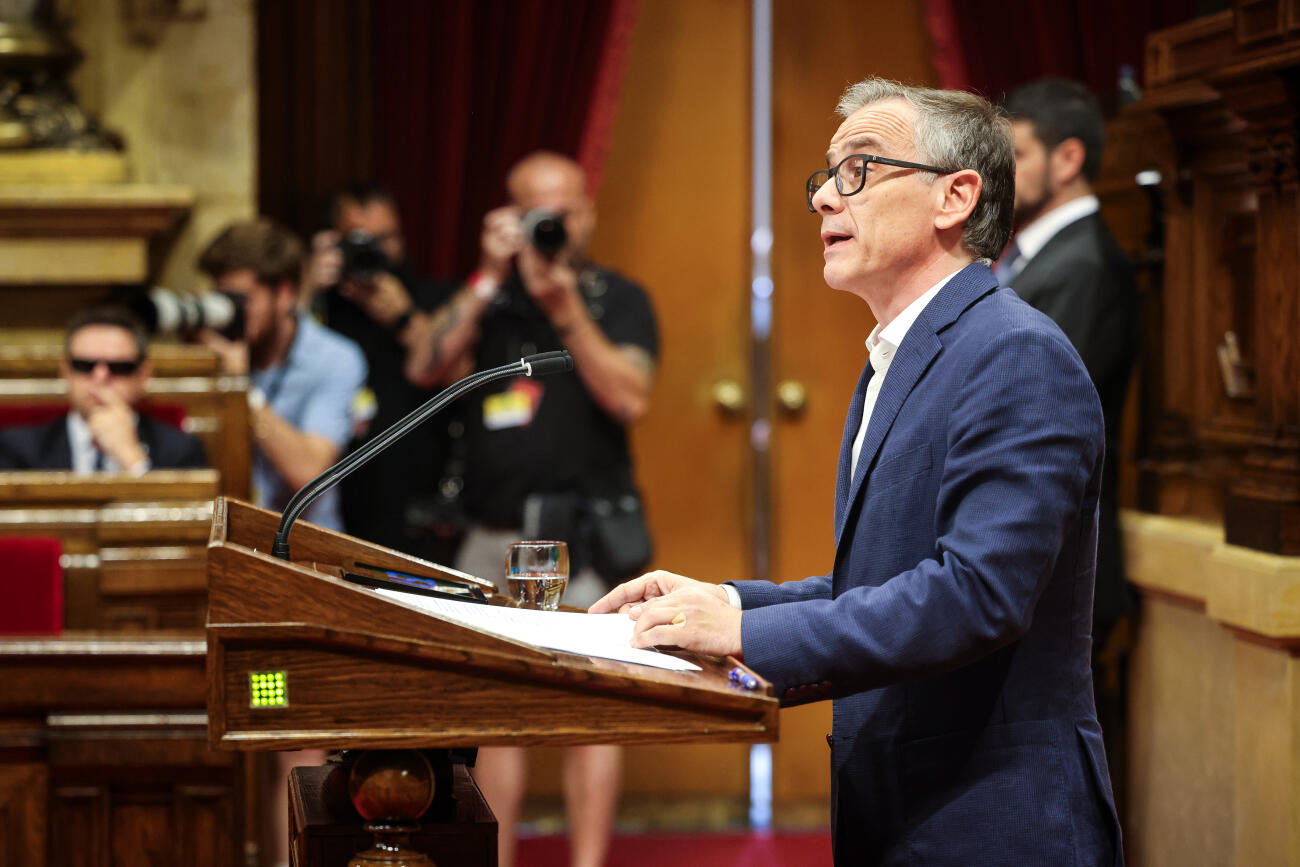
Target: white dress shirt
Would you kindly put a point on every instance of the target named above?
(882, 346)
(1032, 238)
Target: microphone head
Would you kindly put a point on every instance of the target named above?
(545, 363)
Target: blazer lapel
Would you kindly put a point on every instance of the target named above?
(851, 425)
(919, 349)
(909, 363)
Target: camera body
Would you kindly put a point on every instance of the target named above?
(164, 311)
(545, 231)
(363, 257)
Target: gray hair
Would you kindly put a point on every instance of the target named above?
(956, 130)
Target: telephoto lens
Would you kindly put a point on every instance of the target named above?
(545, 231)
(173, 313)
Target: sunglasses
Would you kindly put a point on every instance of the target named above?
(115, 368)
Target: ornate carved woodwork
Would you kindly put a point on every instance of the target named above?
(1225, 88)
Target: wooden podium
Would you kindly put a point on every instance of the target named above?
(299, 658)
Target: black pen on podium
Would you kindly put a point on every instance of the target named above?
(542, 364)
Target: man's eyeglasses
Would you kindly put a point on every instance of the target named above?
(851, 174)
(115, 368)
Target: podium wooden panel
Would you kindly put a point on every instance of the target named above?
(364, 672)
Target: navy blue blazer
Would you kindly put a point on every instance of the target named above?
(953, 632)
(46, 446)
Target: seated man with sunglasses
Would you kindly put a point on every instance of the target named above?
(107, 372)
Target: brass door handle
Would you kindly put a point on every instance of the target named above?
(792, 396)
(729, 396)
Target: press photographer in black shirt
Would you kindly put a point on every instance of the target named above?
(360, 282)
(548, 459)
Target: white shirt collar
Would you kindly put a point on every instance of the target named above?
(892, 334)
(1032, 238)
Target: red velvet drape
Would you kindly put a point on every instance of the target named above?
(435, 99)
(991, 46)
(461, 90)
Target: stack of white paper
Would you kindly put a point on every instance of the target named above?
(602, 635)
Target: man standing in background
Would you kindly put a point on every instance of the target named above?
(361, 283)
(1065, 262)
(304, 377)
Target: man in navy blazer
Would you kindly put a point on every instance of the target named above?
(107, 372)
(953, 629)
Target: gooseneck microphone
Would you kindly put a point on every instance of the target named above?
(541, 364)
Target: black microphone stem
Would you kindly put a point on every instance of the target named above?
(545, 363)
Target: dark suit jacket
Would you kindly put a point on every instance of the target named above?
(1082, 280)
(46, 446)
(953, 631)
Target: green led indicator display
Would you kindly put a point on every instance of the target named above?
(268, 689)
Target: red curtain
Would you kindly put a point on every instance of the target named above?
(991, 46)
(433, 98)
(461, 90)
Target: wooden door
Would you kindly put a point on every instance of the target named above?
(818, 333)
(675, 215)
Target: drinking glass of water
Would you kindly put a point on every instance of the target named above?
(537, 573)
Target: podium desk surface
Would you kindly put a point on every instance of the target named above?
(356, 670)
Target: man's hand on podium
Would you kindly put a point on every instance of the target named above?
(675, 611)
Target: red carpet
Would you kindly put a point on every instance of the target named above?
(715, 850)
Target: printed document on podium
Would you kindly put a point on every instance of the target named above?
(602, 635)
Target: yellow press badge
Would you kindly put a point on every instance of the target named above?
(514, 407)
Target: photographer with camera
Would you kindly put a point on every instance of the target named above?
(304, 377)
(548, 459)
(361, 285)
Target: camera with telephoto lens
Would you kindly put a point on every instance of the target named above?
(545, 231)
(363, 257)
(174, 313)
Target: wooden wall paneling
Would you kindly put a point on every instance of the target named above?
(1263, 509)
(23, 795)
(1168, 343)
(1136, 143)
(126, 565)
(108, 735)
(204, 814)
(1199, 432)
(87, 808)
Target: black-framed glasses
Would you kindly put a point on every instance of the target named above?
(851, 174)
(115, 368)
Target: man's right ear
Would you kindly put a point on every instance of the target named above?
(1067, 160)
